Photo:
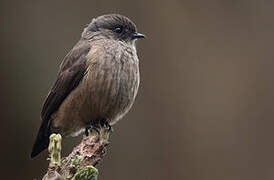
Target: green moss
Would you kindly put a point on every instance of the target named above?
(55, 148)
(87, 173)
(76, 161)
(105, 136)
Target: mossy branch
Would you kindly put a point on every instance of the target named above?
(80, 163)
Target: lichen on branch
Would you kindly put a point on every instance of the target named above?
(80, 163)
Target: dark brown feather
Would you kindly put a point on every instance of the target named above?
(71, 72)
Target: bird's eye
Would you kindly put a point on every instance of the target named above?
(118, 29)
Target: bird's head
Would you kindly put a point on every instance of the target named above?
(113, 26)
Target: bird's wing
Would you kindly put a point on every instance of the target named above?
(72, 70)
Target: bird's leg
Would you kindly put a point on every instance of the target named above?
(105, 123)
(92, 127)
(86, 130)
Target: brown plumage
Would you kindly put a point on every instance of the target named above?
(97, 82)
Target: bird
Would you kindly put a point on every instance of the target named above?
(97, 81)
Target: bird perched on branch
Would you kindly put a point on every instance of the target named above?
(97, 81)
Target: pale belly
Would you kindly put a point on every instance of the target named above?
(104, 93)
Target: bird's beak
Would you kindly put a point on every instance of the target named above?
(138, 35)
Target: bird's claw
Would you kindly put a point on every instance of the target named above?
(104, 123)
(92, 127)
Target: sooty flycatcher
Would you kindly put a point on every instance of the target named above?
(97, 81)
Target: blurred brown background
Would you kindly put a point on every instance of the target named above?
(205, 106)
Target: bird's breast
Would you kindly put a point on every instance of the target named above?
(111, 85)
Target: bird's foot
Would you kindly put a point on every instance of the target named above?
(105, 123)
(92, 127)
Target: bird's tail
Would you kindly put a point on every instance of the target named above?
(42, 140)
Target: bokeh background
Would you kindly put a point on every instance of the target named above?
(205, 105)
